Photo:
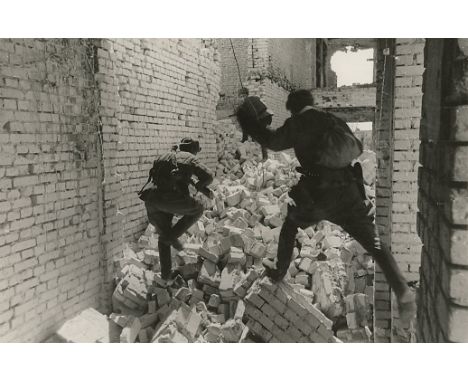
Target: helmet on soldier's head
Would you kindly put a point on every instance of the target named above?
(189, 145)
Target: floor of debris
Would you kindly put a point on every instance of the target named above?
(220, 294)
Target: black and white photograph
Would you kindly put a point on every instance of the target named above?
(230, 189)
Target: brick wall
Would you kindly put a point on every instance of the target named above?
(49, 180)
(269, 75)
(80, 123)
(443, 196)
(398, 162)
(406, 244)
(399, 97)
(167, 89)
(259, 50)
(230, 84)
(385, 70)
(269, 68)
(346, 96)
(293, 57)
(351, 103)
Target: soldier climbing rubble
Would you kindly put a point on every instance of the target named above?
(169, 195)
(330, 188)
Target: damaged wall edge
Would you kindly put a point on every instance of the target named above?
(101, 175)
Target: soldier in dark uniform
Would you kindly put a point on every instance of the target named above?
(329, 188)
(169, 195)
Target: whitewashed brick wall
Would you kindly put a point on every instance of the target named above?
(397, 144)
(80, 123)
(49, 241)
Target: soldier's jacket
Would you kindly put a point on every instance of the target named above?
(173, 171)
(302, 132)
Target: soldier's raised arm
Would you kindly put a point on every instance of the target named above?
(278, 139)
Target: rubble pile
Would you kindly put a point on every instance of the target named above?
(220, 293)
(277, 313)
(232, 152)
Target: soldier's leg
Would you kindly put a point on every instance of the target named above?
(286, 242)
(190, 209)
(165, 260)
(366, 234)
(302, 212)
(358, 222)
(162, 223)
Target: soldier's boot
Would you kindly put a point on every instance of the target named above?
(165, 259)
(406, 298)
(286, 242)
(407, 307)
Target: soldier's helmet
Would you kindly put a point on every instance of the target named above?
(190, 145)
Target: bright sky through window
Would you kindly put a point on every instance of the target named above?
(353, 67)
(361, 126)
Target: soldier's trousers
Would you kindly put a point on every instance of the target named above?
(161, 209)
(345, 207)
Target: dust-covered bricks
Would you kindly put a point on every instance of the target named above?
(277, 313)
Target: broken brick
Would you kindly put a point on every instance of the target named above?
(182, 294)
(209, 254)
(214, 301)
(130, 331)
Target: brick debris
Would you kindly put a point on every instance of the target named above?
(220, 293)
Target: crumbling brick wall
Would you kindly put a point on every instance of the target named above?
(443, 196)
(80, 123)
(269, 68)
(351, 103)
(49, 180)
(346, 96)
(283, 64)
(292, 57)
